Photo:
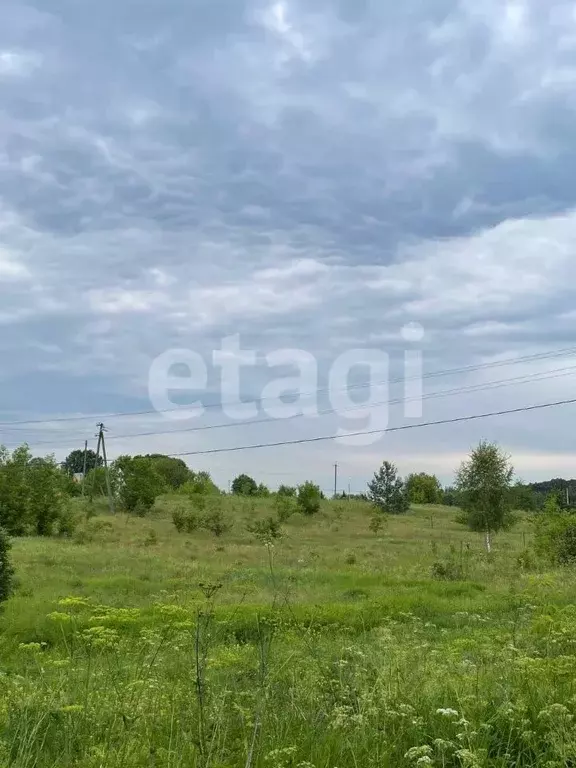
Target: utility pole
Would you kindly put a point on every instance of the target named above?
(567, 495)
(84, 469)
(335, 479)
(96, 460)
(101, 430)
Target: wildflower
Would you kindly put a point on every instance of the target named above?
(415, 754)
(447, 712)
(74, 602)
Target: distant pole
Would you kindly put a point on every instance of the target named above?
(102, 429)
(349, 493)
(99, 436)
(335, 479)
(84, 469)
(567, 496)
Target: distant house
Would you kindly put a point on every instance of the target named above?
(78, 477)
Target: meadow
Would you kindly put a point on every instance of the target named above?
(131, 644)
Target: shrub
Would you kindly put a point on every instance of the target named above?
(555, 537)
(309, 497)
(185, 520)
(377, 522)
(216, 522)
(140, 484)
(6, 570)
(67, 521)
(266, 530)
(285, 507)
(447, 570)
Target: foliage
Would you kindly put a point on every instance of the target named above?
(387, 490)
(32, 493)
(377, 523)
(199, 484)
(215, 520)
(484, 483)
(555, 533)
(95, 483)
(309, 498)
(140, 484)
(266, 530)
(263, 491)
(285, 506)
(173, 471)
(286, 490)
(74, 462)
(244, 485)
(185, 519)
(524, 497)
(422, 488)
(6, 569)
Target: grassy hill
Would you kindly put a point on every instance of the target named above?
(131, 644)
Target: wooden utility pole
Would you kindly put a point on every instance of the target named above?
(102, 442)
(335, 479)
(84, 469)
(99, 436)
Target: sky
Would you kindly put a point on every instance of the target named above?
(338, 177)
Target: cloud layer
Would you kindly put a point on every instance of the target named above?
(307, 174)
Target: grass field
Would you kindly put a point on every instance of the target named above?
(133, 645)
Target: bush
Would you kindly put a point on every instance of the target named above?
(309, 497)
(285, 507)
(286, 490)
(140, 484)
(185, 520)
(555, 537)
(215, 521)
(6, 570)
(67, 521)
(377, 522)
(447, 570)
(266, 530)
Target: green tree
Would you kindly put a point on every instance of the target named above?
(244, 485)
(387, 491)
(140, 483)
(309, 498)
(74, 462)
(423, 489)
(524, 497)
(484, 482)
(555, 532)
(263, 491)
(175, 472)
(286, 490)
(199, 484)
(46, 497)
(32, 492)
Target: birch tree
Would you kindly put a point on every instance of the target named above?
(484, 482)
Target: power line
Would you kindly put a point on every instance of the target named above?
(433, 374)
(488, 386)
(322, 438)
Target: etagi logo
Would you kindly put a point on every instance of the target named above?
(302, 388)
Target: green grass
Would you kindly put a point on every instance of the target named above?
(336, 647)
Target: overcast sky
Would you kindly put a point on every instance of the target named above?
(312, 174)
